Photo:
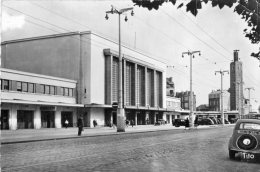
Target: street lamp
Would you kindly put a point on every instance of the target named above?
(120, 109)
(222, 111)
(191, 54)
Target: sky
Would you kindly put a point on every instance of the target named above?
(162, 34)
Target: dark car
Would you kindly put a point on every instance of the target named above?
(178, 122)
(205, 121)
(245, 140)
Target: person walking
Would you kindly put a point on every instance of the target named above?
(66, 123)
(187, 123)
(80, 126)
(196, 122)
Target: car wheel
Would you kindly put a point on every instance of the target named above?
(232, 154)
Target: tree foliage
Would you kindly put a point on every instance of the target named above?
(249, 10)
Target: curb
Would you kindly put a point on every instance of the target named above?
(105, 134)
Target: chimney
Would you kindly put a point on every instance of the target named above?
(236, 55)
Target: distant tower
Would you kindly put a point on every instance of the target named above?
(236, 83)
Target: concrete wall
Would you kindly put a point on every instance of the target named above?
(55, 56)
(98, 115)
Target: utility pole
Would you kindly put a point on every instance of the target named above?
(191, 118)
(222, 109)
(239, 98)
(120, 109)
(250, 106)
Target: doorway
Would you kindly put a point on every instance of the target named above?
(67, 115)
(24, 119)
(47, 118)
(4, 119)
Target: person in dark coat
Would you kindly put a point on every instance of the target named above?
(196, 122)
(187, 123)
(80, 126)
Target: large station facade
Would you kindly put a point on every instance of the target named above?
(46, 80)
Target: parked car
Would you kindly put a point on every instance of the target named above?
(205, 121)
(178, 122)
(245, 140)
(215, 121)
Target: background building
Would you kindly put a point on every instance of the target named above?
(170, 87)
(203, 107)
(215, 100)
(78, 57)
(236, 83)
(185, 100)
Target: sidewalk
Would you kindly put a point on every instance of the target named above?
(32, 135)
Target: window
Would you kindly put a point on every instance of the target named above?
(66, 92)
(31, 88)
(42, 89)
(250, 126)
(52, 90)
(24, 87)
(70, 92)
(19, 86)
(5, 84)
(47, 89)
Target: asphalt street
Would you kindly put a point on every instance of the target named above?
(190, 150)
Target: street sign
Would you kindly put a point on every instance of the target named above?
(115, 105)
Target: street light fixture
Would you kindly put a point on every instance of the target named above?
(120, 109)
(191, 118)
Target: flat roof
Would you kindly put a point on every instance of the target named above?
(71, 34)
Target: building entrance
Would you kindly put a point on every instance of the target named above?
(47, 118)
(114, 117)
(24, 119)
(67, 116)
(4, 119)
(141, 118)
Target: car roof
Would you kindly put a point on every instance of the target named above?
(249, 120)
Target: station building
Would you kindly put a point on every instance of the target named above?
(48, 79)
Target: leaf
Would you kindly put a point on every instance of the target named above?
(192, 6)
(173, 2)
(180, 6)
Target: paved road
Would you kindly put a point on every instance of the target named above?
(198, 150)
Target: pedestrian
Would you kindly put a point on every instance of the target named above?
(94, 123)
(66, 123)
(127, 123)
(132, 123)
(187, 123)
(80, 126)
(196, 122)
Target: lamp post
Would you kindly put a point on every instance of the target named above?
(222, 110)
(120, 109)
(249, 88)
(191, 118)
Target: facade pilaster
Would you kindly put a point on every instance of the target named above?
(13, 117)
(37, 118)
(58, 118)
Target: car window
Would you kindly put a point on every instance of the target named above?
(249, 126)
